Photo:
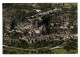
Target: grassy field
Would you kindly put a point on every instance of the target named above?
(13, 51)
(54, 51)
(62, 51)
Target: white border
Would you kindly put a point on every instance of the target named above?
(40, 1)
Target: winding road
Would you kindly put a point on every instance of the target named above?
(5, 46)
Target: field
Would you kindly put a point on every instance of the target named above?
(62, 51)
(54, 51)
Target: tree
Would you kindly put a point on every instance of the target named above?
(12, 24)
(70, 44)
(44, 51)
(20, 15)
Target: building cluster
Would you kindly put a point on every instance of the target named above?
(36, 30)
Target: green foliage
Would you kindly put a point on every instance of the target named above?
(20, 43)
(37, 44)
(44, 51)
(70, 44)
(14, 51)
(7, 5)
(13, 24)
(40, 51)
(31, 13)
(45, 6)
(63, 51)
(20, 15)
(46, 20)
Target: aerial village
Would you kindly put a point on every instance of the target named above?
(56, 23)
